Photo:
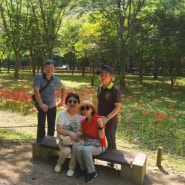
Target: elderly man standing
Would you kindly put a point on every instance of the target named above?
(45, 85)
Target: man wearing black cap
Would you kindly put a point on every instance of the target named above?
(46, 98)
(109, 103)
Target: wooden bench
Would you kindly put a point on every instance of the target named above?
(133, 167)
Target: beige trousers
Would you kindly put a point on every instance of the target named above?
(65, 152)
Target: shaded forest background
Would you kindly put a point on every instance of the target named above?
(134, 36)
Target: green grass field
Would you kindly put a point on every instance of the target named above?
(151, 115)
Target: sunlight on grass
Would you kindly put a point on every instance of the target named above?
(74, 84)
(151, 115)
(12, 134)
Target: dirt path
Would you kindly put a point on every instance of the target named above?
(18, 168)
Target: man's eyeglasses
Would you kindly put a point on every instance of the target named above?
(85, 108)
(74, 101)
(49, 61)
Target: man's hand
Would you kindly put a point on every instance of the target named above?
(44, 107)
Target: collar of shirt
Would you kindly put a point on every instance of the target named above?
(109, 86)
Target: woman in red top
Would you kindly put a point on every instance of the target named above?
(93, 129)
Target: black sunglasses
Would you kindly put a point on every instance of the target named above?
(74, 101)
(85, 108)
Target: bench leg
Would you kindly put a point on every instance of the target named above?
(137, 173)
(42, 153)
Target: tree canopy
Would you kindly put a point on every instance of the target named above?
(146, 36)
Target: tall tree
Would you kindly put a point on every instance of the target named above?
(47, 17)
(15, 25)
(122, 15)
(170, 35)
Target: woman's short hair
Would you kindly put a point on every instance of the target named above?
(72, 95)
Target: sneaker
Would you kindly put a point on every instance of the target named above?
(90, 177)
(58, 168)
(47, 138)
(40, 140)
(70, 173)
(80, 173)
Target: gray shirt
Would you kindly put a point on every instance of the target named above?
(48, 95)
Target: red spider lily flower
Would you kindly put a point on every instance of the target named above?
(176, 92)
(146, 112)
(160, 115)
(1, 94)
(172, 103)
(138, 105)
(10, 100)
(153, 127)
(28, 97)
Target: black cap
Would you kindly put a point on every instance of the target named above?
(105, 69)
(49, 61)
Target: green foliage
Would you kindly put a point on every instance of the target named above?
(127, 34)
(153, 116)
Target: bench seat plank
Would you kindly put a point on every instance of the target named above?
(110, 155)
(116, 156)
(50, 143)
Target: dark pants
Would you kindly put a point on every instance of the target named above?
(110, 132)
(51, 116)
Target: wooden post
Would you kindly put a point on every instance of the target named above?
(159, 156)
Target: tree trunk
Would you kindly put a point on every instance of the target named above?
(122, 72)
(92, 71)
(155, 69)
(141, 72)
(122, 55)
(17, 65)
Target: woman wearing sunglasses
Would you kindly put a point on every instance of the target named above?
(68, 124)
(93, 128)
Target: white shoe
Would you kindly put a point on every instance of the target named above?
(70, 173)
(57, 168)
